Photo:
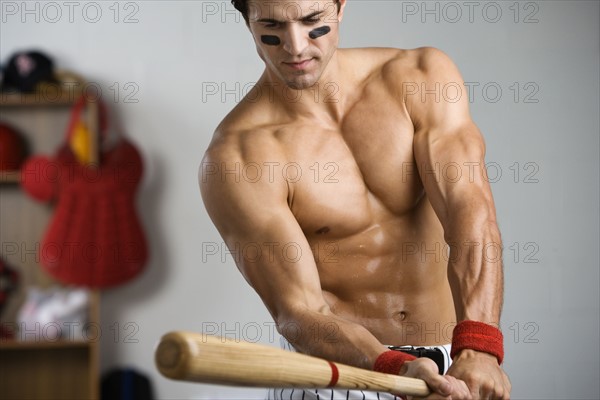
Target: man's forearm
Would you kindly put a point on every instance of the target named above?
(475, 272)
(325, 335)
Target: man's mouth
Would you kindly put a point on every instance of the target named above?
(298, 65)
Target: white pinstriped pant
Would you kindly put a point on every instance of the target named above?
(333, 394)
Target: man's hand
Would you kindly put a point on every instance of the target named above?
(441, 386)
(482, 374)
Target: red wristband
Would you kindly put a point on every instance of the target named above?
(478, 336)
(391, 361)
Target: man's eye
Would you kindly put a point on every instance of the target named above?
(271, 25)
(312, 21)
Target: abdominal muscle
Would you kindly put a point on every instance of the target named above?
(390, 278)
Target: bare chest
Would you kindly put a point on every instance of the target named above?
(347, 178)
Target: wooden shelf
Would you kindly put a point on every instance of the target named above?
(10, 176)
(41, 369)
(53, 373)
(51, 370)
(39, 345)
(51, 97)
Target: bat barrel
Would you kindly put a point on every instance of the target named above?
(204, 358)
(210, 359)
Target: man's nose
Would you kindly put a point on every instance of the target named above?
(295, 39)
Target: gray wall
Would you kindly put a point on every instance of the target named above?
(181, 65)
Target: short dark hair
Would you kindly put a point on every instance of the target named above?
(242, 6)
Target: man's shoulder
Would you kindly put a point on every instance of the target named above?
(416, 58)
(400, 70)
(413, 63)
(395, 68)
(238, 138)
(250, 117)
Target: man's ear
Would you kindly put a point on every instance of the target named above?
(341, 12)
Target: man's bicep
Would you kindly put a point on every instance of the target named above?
(278, 263)
(451, 163)
(448, 147)
(452, 167)
(267, 243)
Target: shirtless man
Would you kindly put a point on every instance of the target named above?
(334, 171)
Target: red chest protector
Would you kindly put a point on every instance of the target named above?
(95, 238)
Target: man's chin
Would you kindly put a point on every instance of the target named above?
(300, 83)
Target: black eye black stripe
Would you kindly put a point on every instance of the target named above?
(315, 33)
(270, 40)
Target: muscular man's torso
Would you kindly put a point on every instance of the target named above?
(355, 191)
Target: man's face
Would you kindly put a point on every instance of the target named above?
(295, 38)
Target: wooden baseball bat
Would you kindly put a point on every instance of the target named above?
(197, 357)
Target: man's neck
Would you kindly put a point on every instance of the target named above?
(326, 100)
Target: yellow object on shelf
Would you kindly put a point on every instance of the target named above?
(80, 143)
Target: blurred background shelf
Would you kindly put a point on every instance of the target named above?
(40, 369)
(52, 97)
(45, 344)
(48, 371)
(10, 176)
